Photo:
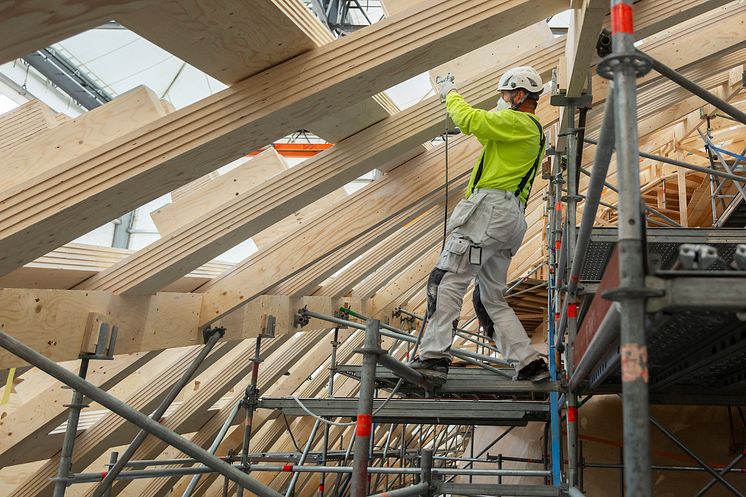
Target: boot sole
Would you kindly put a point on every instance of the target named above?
(543, 376)
(433, 376)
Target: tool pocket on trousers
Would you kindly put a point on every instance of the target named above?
(464, 211)
(453, 255)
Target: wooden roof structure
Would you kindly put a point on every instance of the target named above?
(371, 251)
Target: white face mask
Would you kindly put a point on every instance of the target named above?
(502, 104)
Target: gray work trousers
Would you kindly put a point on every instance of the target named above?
(486, 230)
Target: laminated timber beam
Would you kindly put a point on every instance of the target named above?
(19, 124)
(297, 380)
(71, 264)
(585, 26)
(230, 375)
(405, 245)
(232, 40)
(32, 421)
(51, 147)
(94, 439)
(66, 202)
(229, 39)
(407, 280)
(31, 25)
(153, 267)
(307, 281)
(54, 322)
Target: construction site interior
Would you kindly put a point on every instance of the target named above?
(218, 219)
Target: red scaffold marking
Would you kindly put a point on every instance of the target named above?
(572, 414)
(103, 474)
(558, 244)
(364, 424)
(558, 206)
(287, 468)
(572, 310)
(622, 19)
(556, 315)
(321, 488)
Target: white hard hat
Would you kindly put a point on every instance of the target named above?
(524, 77)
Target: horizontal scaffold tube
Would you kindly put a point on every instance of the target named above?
(392, 332)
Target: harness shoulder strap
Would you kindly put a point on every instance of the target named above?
(531, 173)
(479, 173)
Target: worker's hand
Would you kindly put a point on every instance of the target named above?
(446, 85)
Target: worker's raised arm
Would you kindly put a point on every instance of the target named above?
(484, 125)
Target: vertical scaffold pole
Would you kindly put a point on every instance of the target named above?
(249, 403)
(554, 419)
(626, 66)
(71, 430)
(330, 393)
(571, 220)
(371, 349)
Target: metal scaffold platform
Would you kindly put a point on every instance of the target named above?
(445, 412)
(696, 332)
(463, 383)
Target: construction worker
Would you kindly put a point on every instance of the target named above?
(487, 227)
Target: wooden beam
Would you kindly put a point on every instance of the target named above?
(390, 257)
(31, 422)
(256, 274)
(71, 264)
(36, 217)
(228, 39)
(52, 147)
(29, 26)
(585, 26)
(307, 281)
(215, 191)
(153, 267)
(499, 53)
(231, 40)
(408, 279)
(22, 123)
(93, 440)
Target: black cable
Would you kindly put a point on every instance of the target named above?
(445, 207)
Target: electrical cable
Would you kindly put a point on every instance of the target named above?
(385, 402)
(445, 206)
(401, 381)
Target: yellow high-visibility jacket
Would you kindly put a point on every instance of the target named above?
(513, 146)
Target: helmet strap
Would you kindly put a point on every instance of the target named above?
(515, 105)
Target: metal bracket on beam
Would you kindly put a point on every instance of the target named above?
(583, 101)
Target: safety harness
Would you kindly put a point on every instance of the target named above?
(530, 174)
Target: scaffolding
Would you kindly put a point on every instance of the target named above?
(442, 419)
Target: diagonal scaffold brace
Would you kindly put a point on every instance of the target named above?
(134, 416)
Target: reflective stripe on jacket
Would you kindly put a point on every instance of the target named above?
(511, 139)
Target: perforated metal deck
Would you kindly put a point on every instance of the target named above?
(446, 412)
(663, 245)
(697, 328)
(463, 383)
